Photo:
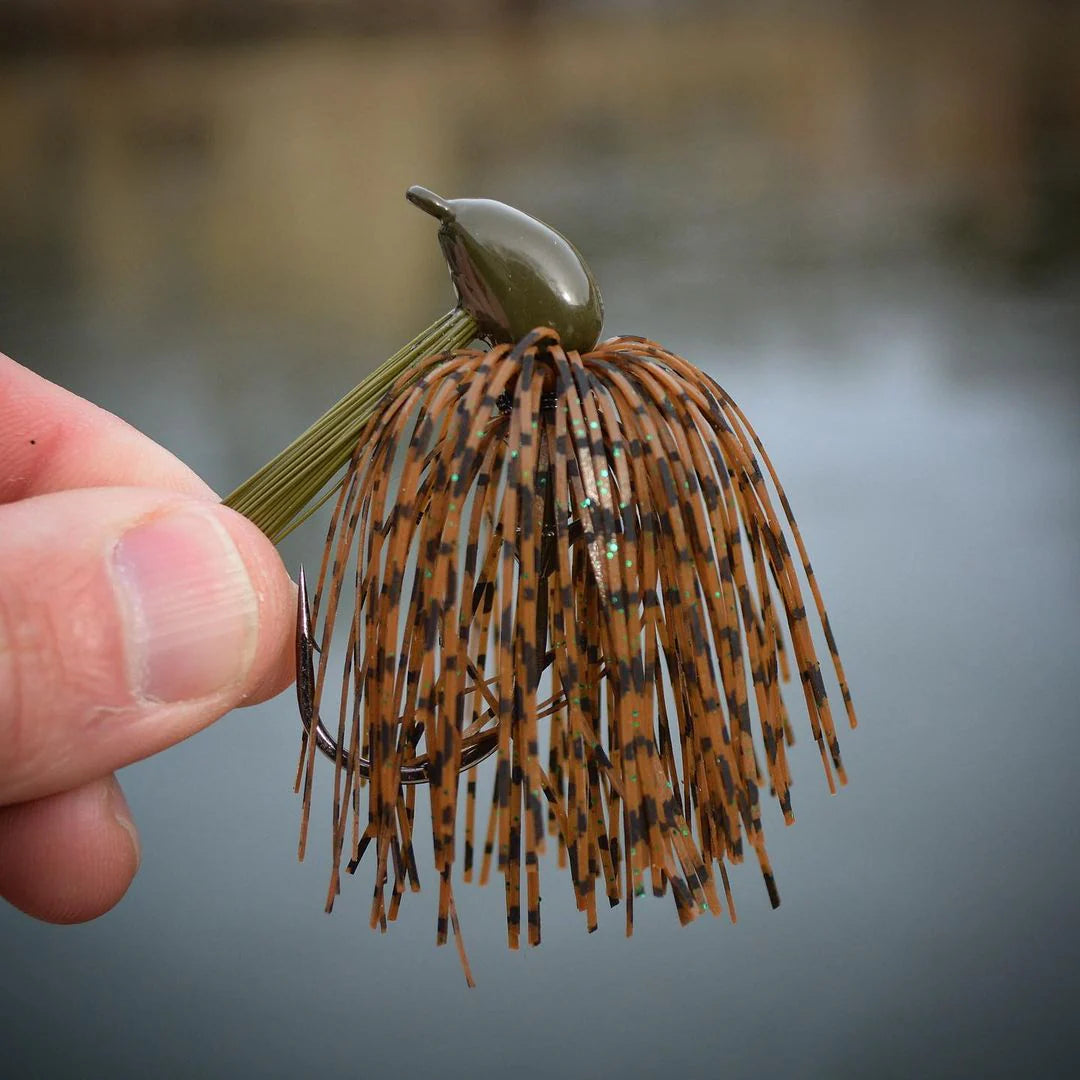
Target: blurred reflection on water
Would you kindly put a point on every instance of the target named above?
(866, 229)
(258, 191)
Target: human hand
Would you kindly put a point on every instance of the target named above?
(134, 611)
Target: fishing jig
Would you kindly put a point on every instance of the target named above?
(566, 554)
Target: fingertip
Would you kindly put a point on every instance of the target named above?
(148, 615)
(70, 857)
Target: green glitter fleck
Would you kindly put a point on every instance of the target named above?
(454, 477)
(513, 453)
(611, 554)
(629, 563)
(594, 424)
(603, 472)
(585, 503)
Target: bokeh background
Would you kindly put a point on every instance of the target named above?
(864, 219)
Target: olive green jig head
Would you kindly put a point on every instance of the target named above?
(511, 272)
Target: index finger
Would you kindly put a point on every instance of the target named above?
(52, 440)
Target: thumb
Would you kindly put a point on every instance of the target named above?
(129, 619)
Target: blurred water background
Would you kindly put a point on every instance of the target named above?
(862, 218)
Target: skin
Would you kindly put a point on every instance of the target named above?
(76, 699)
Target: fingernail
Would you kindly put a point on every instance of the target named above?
(122, 812)
(188, 607)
